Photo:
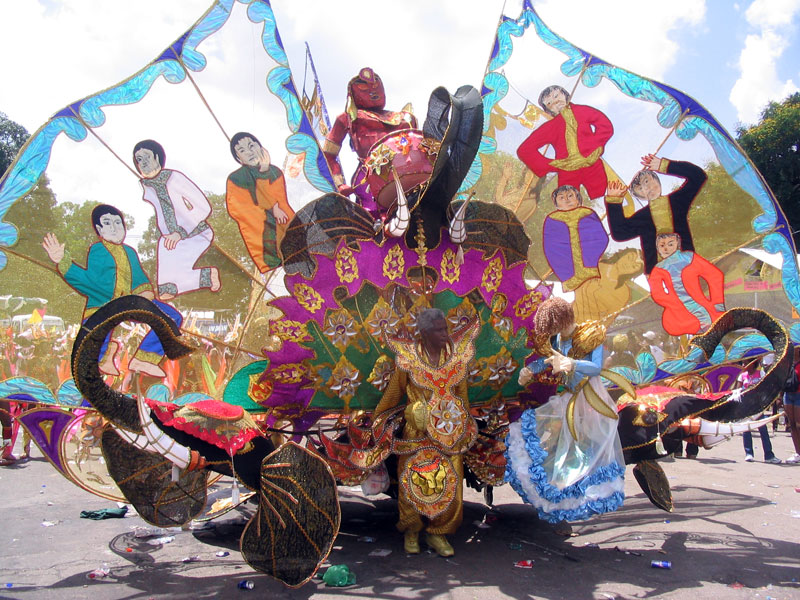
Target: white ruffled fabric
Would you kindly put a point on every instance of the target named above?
(565, 478)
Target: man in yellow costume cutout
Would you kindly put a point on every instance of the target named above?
(430, 386)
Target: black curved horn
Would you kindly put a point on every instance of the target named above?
(759, 397)
(114, 406)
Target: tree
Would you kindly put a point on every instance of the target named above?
(34, 215)
(74, 227)
(12, 138)
(774, 147)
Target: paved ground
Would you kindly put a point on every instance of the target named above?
(735, 533)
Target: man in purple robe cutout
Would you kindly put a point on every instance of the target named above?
(574, 239)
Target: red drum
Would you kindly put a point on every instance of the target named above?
(409, 154)
(361, 190)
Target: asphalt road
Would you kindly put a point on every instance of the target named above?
(735, 533)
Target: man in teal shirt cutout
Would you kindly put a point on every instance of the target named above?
(112, 270)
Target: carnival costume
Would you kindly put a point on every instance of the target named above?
(353, 284)
(438, 430)
(574, 242)
(366, 122)
(251, 195)
(665, 214)
(565, 457)
(180, 207)
(675, 284)
(112, 271)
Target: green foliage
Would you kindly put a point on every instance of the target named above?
(148, 245)
(74, 228)
(34, 215)
(774, 147)
(12, 137)
(508, 182)
(38, 213)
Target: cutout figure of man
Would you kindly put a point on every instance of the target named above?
(663, 214)
(574, 238)
(578, 135)
(112, 270)
(181, 213)
(255, 196)
(675, 284)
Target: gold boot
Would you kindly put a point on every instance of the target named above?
(411, 542)
(440, 544)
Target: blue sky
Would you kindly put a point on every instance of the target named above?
(708, 65)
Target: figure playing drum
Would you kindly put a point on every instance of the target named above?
(366, 122)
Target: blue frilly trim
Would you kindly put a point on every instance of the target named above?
(553, 494)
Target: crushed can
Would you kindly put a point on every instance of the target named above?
(524, 564)
(660, 564)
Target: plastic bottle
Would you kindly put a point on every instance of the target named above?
(99, 573)
(147, 532)
(162, 540)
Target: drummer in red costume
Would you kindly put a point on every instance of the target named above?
(365, 121)
(578, 135)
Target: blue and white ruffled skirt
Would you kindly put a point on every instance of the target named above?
(564, 478)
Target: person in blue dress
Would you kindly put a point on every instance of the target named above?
(565, 457)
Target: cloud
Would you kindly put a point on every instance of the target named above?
(759, 83)
(414, 46)
(627, 33)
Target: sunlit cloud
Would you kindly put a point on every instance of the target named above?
(759, 82)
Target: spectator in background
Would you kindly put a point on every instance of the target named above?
(693, 386)
(7, 441)
(791, 407)
(620, 356)
(777, 406)
(751, 375)
(650, 345)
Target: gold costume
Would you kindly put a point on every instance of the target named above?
(438, 430)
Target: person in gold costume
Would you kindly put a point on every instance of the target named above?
(429, 386)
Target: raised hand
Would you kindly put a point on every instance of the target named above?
(616, 189)
(55, 251)
(651, 162)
